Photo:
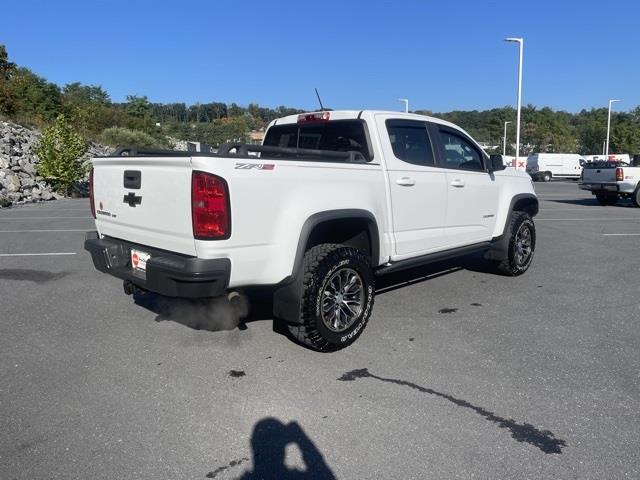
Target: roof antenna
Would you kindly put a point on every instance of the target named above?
(319, 101)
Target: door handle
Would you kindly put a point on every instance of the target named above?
(457, 183)
(406, 181)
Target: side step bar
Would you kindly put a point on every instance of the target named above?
(432, 258)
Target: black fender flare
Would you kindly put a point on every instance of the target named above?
(286, 298)
(500, 244)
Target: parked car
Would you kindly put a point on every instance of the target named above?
(545, 166)
(609, 181)
(334, 200)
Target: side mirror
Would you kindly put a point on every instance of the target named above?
(636, 161)
(496, 163)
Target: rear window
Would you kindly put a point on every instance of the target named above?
(336, 136)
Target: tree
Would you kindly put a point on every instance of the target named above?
(59, 151)
(36, 98)
(7, 69)
(138, 107)
(87, 107)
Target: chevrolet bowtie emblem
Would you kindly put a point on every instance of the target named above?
(132, 199)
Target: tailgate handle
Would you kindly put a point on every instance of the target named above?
(132, 179)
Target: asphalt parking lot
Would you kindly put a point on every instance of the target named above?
(459, 374)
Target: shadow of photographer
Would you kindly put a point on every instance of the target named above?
(269, 440)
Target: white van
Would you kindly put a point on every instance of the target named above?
(545, 166)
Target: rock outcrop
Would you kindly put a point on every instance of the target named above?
(19, 182)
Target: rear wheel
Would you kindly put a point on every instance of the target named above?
(546, 177)
(605, 199)
(521, 232)
(337, 297)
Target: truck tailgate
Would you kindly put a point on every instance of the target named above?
(599, 175)
(145, 200)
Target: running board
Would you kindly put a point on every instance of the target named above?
(432, 258)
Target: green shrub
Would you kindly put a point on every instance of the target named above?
(123, 136)
(59, 151)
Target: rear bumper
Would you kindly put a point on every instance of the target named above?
(167, 273)
(599, 187)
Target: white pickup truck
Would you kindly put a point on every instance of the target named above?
(330, 200)
(610, 181)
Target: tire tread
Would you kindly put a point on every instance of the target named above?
(306, 332)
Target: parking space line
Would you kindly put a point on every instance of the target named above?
(621, 234)
(585, 219)
(42, 218)
(37, 231)
(36, 254)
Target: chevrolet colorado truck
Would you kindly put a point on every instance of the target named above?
(329, 201)
(610, 181)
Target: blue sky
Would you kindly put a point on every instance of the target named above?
(442, 55)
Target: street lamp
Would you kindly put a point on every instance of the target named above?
(606, 153)
(520, 42)
(406, 104)
(504, 142)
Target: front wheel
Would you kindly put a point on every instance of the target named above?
(521, 233)
(337, 297)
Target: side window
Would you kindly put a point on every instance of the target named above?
(460, 153)
(410, 141)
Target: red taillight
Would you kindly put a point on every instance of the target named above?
(314, 117)
(210, 211)
(619, 175)
(92, 200)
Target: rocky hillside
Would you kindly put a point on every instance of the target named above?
(19, 182)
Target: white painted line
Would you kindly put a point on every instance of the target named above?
(42, 218)
(36, 231)
(34, 254)
(621, 234)
(584, 219)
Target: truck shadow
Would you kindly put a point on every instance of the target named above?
(592, 202)
(394, 281)
(220, 314)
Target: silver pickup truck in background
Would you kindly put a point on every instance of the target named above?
(610, 181)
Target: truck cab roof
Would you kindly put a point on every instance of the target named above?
(358, 114)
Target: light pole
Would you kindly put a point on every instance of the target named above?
(504, 142)
(406, 104)
(520, 42)
(606, 153)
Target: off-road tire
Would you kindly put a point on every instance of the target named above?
(319, 266)
(510, 264)
(607, 199)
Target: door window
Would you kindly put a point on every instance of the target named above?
(410, 142)
(460, 153)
